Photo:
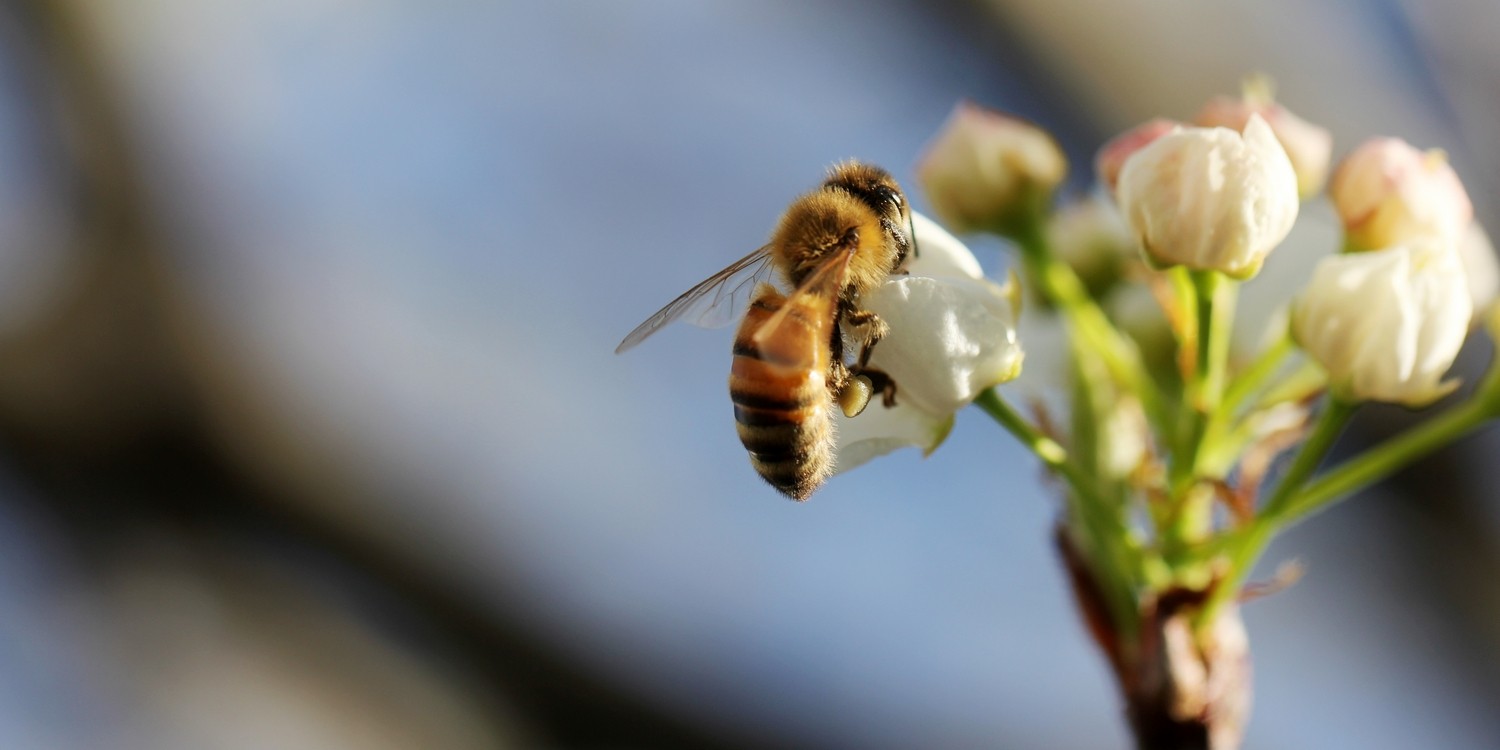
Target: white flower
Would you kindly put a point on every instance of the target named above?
(1388, 193)
(1385, 324)
(1210, 198)
(952, 336)
(985, 170)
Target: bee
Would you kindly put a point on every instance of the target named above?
(831, 246)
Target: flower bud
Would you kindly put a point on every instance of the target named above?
(1210, 199)
(1090, 235)
(1111, 158)
(1308, 146)
(1385, 324)
(988, 171)
(1388, 193)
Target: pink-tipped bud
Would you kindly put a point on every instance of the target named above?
(986, 170)
(1388, 193)
(1308, 146)
(1111, 158)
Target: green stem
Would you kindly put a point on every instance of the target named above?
(1105, 534)
(1045, 448)
(1090, 384)
(1182, 436)
(1336, 413)
(1255, 376)
(1213, 298)
(1300, 384)
(1382, 461)
(1216, 301)
(1062, 287)
(1242, 558)
(1226, 435)
(1295, 498)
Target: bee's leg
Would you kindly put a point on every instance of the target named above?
(839, 369)
(871, 329)
(836, 344)
(839, 378)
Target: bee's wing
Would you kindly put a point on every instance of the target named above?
(821, 287)
(714, 302)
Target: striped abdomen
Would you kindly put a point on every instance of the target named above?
(780, 393)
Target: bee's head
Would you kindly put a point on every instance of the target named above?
(877, 189)
(872, 186)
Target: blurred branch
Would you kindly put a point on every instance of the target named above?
(98, 414)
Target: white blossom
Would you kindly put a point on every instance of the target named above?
(1210, 198)
(1385, 324)
(952, 336)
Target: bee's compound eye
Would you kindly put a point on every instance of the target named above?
(887, 195)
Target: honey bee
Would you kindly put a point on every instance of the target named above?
(831, 246)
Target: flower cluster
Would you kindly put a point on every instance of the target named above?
(1384, 319)
(1163, 436)
(1166, 453)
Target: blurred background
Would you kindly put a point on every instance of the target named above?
(311, 435)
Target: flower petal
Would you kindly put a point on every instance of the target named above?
(1308, 146)
(879, 431)
(950, 338)
(952, 334)
(1480, 266)
(1385, 324)
(939, 253)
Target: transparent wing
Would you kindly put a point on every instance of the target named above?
(714, 302)
(820, 289)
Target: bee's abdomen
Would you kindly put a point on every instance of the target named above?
(783, 412)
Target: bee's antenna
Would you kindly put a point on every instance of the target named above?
(911, 224)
